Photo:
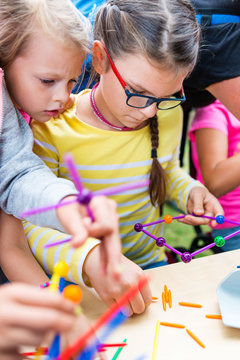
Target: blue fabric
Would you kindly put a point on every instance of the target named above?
(232, 243)
(154, 265)
(220, 19)
(89, 9)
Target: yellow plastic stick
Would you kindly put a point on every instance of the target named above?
(155, 344)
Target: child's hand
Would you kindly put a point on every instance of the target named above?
(110, 290)
(76, 222)
(201, 202)
(28, 313)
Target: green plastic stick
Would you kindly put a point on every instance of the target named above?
(115, 356)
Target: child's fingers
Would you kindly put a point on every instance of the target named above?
(197, 203)
(71, 218)
(112, 247)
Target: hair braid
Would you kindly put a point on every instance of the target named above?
(157, 187)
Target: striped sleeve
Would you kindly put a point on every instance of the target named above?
(45, 148)
(37, 237)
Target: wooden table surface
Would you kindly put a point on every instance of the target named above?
(194, 282)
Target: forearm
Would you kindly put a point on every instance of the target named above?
(16, 258)
(224, 177)
(19, 265)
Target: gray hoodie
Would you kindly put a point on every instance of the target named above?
(25, 181)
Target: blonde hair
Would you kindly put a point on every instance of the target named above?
(59, 19)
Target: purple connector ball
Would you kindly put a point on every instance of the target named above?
(85, 197)
(220, 219)
(138, 227)
(186, 257)
(160, 241)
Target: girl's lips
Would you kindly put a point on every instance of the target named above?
(52, 112)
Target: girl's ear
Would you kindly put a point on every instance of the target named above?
(99, 57)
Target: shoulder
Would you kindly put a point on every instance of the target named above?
(171, 119)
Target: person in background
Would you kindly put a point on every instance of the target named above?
(215, 148)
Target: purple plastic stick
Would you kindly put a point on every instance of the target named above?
(110, 191)
(153, 223)
(168, 246)
(232, 222)
(120, 188)
(231, 235)
(76, 179)
(73, 172)
(46, 208)
(206, 217)
(203, 249)
(148, 233)
(178, 217)
(162, 220)
(174, 250)
(60, 242)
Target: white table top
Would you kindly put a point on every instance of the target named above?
(194, 282)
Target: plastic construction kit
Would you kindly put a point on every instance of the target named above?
(84, 195)
(186, 257)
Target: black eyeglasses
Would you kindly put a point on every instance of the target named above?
(142, 101)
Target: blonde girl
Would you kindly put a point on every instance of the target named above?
(42, 48)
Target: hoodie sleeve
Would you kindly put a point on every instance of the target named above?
(25, 181)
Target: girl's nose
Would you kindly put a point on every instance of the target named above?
(149, 111)
(61, 95)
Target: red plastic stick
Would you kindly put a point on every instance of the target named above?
(78, 344)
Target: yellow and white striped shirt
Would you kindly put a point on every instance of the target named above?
(108, 158)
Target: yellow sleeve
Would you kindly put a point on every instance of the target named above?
(44, 145)
(37, 237)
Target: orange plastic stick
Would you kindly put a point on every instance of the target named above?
(169, 298)
(189, 304)
(214, 316)
(195, 338)
(164, 301)
(166, 293)
(154, 298)
(179, 326)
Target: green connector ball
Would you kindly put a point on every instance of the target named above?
(219, 240)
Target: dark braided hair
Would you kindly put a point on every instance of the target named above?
(157, 187)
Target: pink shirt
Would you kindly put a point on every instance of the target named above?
(216, 116)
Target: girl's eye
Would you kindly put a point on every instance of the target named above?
(135, 91)
(46, 81)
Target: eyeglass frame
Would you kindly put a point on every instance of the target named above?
(151, 98)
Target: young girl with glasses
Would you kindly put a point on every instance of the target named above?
(128, 128)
